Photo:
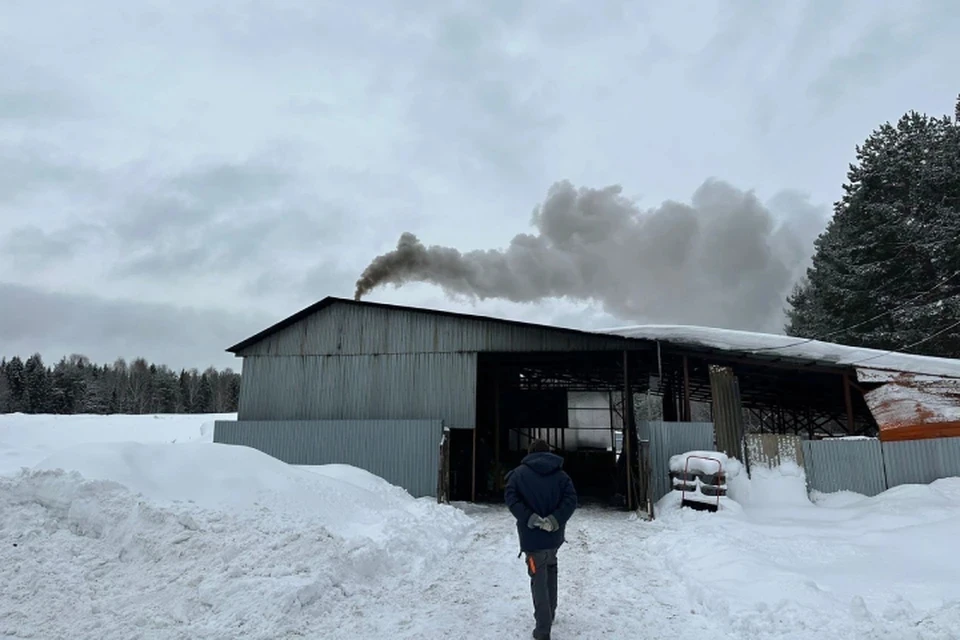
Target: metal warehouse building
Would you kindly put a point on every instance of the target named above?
(441, 402)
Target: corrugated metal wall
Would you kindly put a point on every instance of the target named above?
(439, 386)
(838, 465)
(403, 452)
(727, 411)
(921, 461)
(668, 439)
(344, 329)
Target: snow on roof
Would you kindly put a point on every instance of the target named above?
(765, 344)
(912, 407)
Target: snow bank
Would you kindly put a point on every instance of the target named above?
(846, 566)
(25, 440)
(779, 487)
(202, 540)
(347, 501)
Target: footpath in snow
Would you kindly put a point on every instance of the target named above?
(125, 533)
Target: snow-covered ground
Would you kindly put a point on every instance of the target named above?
(25, 440)
(187, 539)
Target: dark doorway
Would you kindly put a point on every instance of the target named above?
(574, 401)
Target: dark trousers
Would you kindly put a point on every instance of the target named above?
(542, 569)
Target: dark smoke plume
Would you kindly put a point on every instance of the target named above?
(722, 260)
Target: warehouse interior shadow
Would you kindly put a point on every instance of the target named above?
(574, 403)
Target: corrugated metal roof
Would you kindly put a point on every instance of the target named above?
(359, 330)
(912, 407)
(757, 346)
(790, 349)
(330, 301)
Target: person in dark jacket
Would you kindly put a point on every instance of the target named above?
(542, 498)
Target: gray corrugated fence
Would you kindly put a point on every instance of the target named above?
(669, 439)
(921, 461)
(838, 465)
(402, 452)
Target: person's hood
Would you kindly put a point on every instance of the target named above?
(544, 462)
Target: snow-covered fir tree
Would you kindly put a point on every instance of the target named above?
(886, 272)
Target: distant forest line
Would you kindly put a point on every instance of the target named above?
(76, 385)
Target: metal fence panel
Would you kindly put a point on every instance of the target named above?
(402, 452)
(921, 461)
(844, 465)
(668, 439)
(770, 450)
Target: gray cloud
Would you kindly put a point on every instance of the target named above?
(217, 218)
(477, 105)
(31, 168)
(885, 47)
(255, 158)
(33, 96)
(723, 260)
(33, 105)
(38, 248)
(57, 324)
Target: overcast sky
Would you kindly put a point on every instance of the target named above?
(175, 176)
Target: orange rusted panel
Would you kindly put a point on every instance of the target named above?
(916, 407)
(920, 432)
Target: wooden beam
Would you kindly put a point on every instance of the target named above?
(627, 427)
(613, 433)
(849, 400)
(473, 476)
(496, 428)
(687, 413)
(726, 358)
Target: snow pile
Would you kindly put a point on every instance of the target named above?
(703, 462)
(781, 486)
(699, 468)
(202, 540)
(25, 440)
(844, 566)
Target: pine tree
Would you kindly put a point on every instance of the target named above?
(204, 399)
(186, 393)
(233, 395)
(16, 384)
(6, 406)
(95, 400)
(892, 238)
(36, 385)
(167, 391)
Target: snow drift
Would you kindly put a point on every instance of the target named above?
(201, 540)
(25, 439)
